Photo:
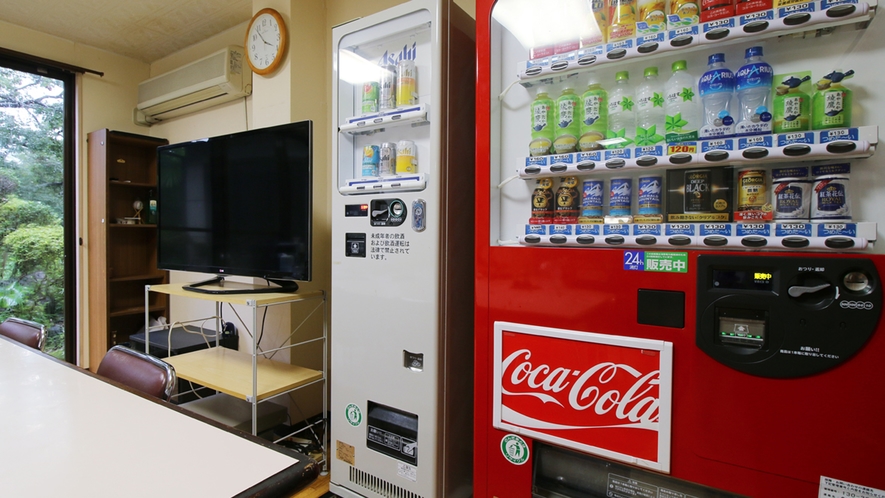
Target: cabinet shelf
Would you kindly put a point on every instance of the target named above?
(123, 183)
(757, 26)
(800, 236)
(135, 278)
(135, 310)
(846, 143)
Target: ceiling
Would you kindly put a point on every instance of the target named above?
(146, 30)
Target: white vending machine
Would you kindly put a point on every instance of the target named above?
(402, 253)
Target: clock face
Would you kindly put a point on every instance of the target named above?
(265, 42)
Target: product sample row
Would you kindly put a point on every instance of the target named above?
(720, 104)
(721, 194)
(388, 159)
(612, 21)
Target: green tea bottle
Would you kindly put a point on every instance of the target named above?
(594, 116)
(568, 122)
(542, 124)
(831, 106)
(792, 106)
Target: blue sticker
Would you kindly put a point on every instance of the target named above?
(634, 260)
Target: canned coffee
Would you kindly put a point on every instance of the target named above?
(752, 190)
(620, 196)
(591, 197)
(649, 195)
(697, 191)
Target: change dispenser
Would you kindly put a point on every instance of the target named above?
(785, 317)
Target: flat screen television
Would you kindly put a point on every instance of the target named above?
(238, 204)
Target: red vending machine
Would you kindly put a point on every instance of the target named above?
(678, 287)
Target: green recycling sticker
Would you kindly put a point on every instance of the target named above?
(515, 449)
(353, 414)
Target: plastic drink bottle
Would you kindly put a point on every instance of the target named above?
(832, 102)
(567, 126)
(792, 106)
(652, 16)
(681, 105)
(754, 80)
(650, 121)
(717, 87)
(542, 124)
(594, 116)
(621, 123)
(622, 19)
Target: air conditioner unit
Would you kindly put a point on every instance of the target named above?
(218, 78)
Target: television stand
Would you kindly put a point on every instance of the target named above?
(218, 285)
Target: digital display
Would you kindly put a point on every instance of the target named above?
(756, 279)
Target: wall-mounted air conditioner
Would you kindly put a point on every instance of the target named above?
(212, 80)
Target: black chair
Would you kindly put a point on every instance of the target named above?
(29, 333)
(139, 371)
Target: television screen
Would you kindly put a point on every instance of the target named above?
(238, 204)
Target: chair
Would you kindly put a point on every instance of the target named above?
(29, 333)
(139, 371)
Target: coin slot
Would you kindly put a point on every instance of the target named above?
(857, 282)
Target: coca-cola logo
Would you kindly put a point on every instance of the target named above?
(597, 389)
(602, 394)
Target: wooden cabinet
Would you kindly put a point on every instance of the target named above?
(122, 249)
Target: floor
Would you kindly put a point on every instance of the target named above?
(316, 489)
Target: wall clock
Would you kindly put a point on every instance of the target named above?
(266, 40)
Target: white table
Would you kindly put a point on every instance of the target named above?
(65, 432)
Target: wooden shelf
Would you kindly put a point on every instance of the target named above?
(230, 372)
(122, 167)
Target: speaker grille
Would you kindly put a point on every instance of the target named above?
(378, 485)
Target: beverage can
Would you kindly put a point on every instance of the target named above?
(830, 196)
(791, 193)
(387, 162)
(649, 195)
(387, 88)
(752, 190)
(406, 90)
(370, 97)
(620, 196)
(697, 191)
(371, 156)
(591, 197)
(406, 160)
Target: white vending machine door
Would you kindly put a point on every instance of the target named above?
(402, 252)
